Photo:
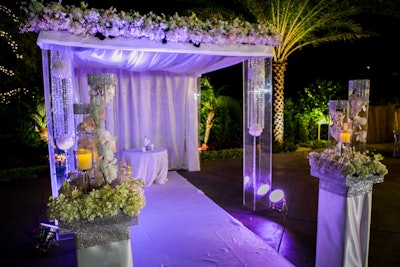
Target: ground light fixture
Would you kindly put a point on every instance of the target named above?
(277, 200)
(47, 237)
(263, 190)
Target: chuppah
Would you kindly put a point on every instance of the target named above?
(147, 69)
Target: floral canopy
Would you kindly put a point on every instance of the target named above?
(157, 61)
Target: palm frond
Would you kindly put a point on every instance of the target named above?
(305, 22)
(39, 117)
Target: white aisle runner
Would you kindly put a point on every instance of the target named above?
(180, 226)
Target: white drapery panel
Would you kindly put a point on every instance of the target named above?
(159, 105)
(343, 229)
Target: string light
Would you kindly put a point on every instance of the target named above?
(11, 43)
(9, 13)
(6, 71)
(6, 35)
(16, 94)
(7, 97)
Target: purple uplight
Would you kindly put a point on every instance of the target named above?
(263, 189)
(276, 195)
(246, 179)
(278, 201)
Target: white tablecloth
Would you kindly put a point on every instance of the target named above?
(150, 166)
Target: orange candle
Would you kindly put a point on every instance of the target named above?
(84, 159)
(345, 137)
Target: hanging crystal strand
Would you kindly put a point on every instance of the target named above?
(255, 98)
(359, 104)
(60, 116)
(62, 104)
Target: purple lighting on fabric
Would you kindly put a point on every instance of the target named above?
(276, 195)
(153, 61)
(117, 56)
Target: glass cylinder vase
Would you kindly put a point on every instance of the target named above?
(339, 130)
(84, 163)
(82, 123)
(101, 88)
(358, 111)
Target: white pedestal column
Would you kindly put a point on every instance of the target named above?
(344, 218)
(103, 242)
(107, 255)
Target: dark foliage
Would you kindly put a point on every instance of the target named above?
(20, 94)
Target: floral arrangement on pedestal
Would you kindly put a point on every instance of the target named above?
(346, 156)
(360, 165)
(105, 187)
(125, 194)
(82, 20)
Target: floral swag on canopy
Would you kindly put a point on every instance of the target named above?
(85, 21)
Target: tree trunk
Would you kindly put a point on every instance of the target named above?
(209, 124)
(278, 75)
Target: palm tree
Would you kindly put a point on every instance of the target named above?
(303, 23)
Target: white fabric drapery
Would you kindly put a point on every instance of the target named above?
(343, 229)
(138, 61)
(158, 105)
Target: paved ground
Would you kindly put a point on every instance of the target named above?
(292, 233)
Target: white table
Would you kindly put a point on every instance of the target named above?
(150, 166)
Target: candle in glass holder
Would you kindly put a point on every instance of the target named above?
(84, 159)
(345, 137)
